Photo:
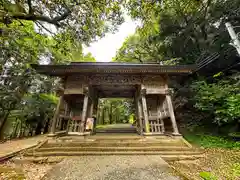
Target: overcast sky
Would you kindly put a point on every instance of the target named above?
(105, 49)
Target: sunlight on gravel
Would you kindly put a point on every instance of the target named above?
(27, 171)
(223, 164)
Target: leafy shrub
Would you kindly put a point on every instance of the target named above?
(236, 169)
(234, 134)
(220, 100)
(207, 176)
(209, 141)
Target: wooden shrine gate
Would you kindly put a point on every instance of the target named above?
(84, 83)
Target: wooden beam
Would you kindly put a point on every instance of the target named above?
(156, 91)
(56, 115)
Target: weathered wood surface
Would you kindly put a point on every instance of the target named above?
(145, 113)
(56, 115)
(159, 114)
(172, 116)
(84, 112)
(153, 84)
(152, 99)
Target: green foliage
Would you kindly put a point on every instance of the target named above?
(33, 110)
(114, 110)
(235, 134)
(35, 105)
(235, 168)
(85, 20)
(210, 141)
(131, 118)
(180, 32)
(179, 29)
(207, 176)
(220, 100)
(44, 32)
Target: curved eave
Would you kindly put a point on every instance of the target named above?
(83, 68)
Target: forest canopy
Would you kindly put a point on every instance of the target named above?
(45, 32)
(191, 32)
(171, 32)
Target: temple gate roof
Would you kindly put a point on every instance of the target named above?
(112, 68)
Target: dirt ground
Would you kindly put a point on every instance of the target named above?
(26, 171)
(221, 163)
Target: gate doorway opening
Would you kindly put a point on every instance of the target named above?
(116, 115)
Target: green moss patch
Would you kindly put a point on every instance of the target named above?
(11, 173)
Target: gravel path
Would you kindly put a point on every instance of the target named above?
(112, 168)
(13, 146)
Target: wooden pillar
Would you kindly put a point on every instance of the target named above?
(145, 111)
(137, 112)
(170, 107)
(159, 114)
(91, 105)
(66, 108)
(139, 108)
(84, 112)
(95, 107)
(56, 115)
(67, 114)
(172, 116)
(95, 113)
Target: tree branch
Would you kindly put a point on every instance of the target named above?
(63, 16)
(42, 26)
(32, 17)
(30, 11)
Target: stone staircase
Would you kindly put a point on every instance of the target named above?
(169, 148)
(117, 128)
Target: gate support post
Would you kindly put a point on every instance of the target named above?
(138, 112)
(139, 108)
(84, 112)
(145, 110)
(56, 116)
(172, 116)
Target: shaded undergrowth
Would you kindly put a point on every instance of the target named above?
(211, 141)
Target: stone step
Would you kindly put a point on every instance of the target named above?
(131, 140)
(181, 157)
(117, 137)
(113, 144)
(36, 160)
(92, 153)
(130, 131)
(108, 149)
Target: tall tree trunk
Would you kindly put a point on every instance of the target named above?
(3, 124)
(12, 105)
(38, 128)
(110, 114)
(24, 130)
(117, 115)
(20, 129)
(14, 133)
(98, 116)
(103, 115)
(46, 126)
